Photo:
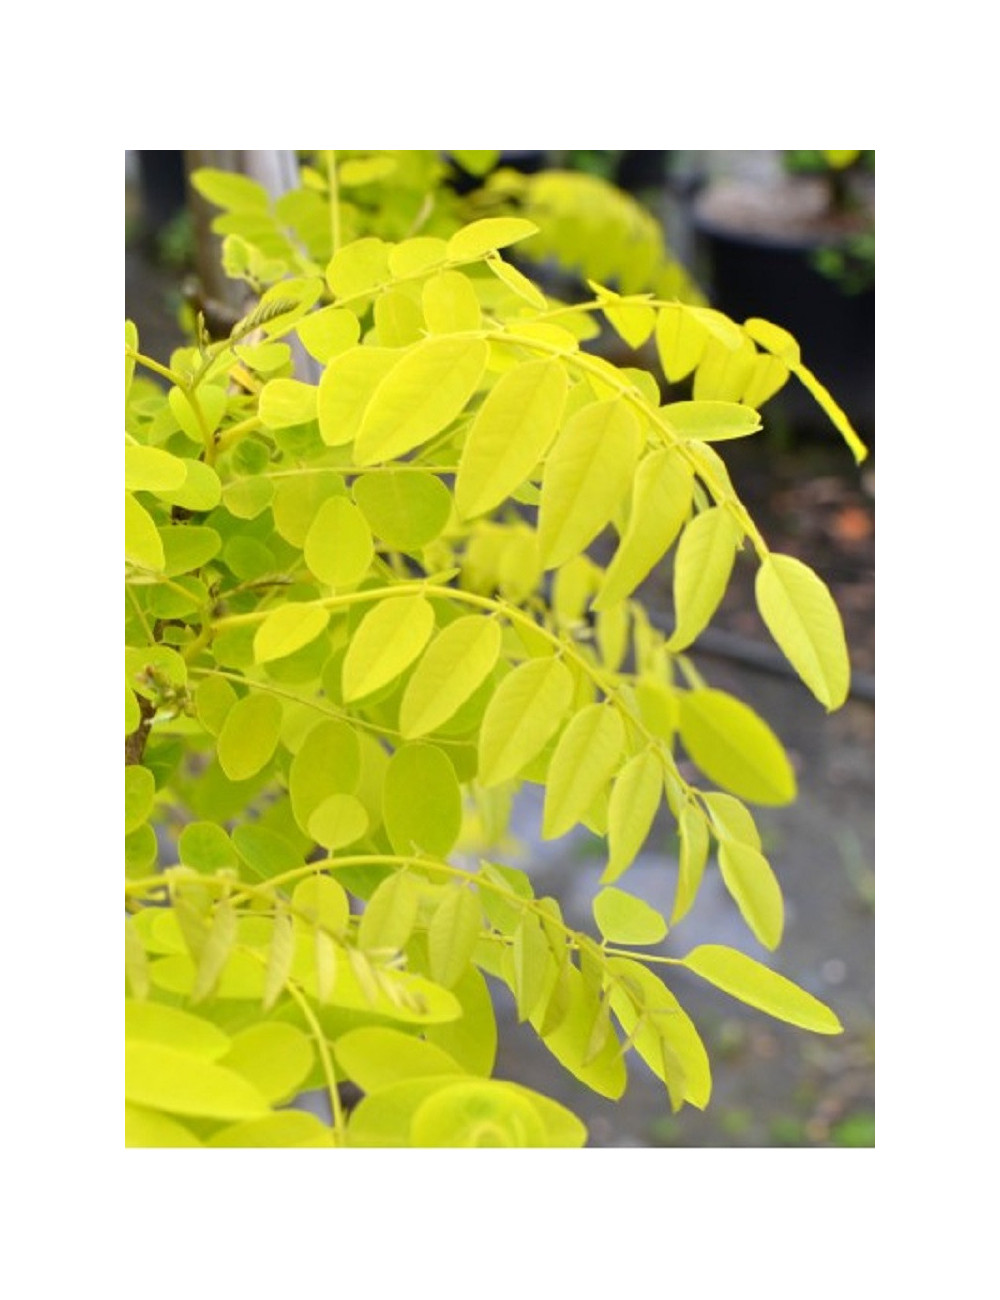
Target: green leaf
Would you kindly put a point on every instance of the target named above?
(588, 471)
(754, 886)
(246, 498)
(680, 341)
(276, 1058)
(149, 469)
(198, 422)
(287, 402)
(450, 303)
(391, 913)
(511, 432)
(206, 847)
(515, 281)
(694, 846)
(410, 257)
(150, 1128)
(187, 547)
(569, 1041)
(398, 319)
(705, 557)
(742, 977)
(471, 1037)
(422, 801)
(328, 763)
(525, 712)
(532, 964)
(287, 1129)
(321, 900)
(452, 935)
(346, 388)
(287, 629)
(406, 509)
(180, 1083)
(376, 1058)
(200, 491)
(735, 748)
(801, 615)
(477, 162)
(456, 662)
(216, 950)
(386, 642)
(837, 417)
(142, 540)
(421, 395)
(635, 798)
(339, 820)
(338, 547)
(230, 190)
(584, 761)
(663, 1034)
(136, 962)
(661, 502)
(327, 333)
(477, 1113)
(249, 736)
(358, 268)
(140, 788)
(213, 699)
(711, 421)
(153, 1022)
(280, 958)
(486, 235)
(624, 919)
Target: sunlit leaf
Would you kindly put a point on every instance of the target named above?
(635, 798)
(184, 1084)
(288, 628)
(385, 643)
(249, 735)
(422, 801)
(801, 615)
(750, 981)
(455, 663)
(486, 235)
(584, 761)
(735, 748)
(624, 919)
(452, 935)
(525, 711)
(705, 557)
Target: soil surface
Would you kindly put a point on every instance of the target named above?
(774, 1085)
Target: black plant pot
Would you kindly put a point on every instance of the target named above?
(754, 274)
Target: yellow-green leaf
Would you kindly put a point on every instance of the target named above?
(456, 662)
(422, 801)
(421, 395)
(624, 919)
(410, 257)
(712, 421)
(339, 820)
(486, 235)
(452, 935)
(750, 981)
(776, 340)
(837, 417)
(661, 502)
(153, 1022)
(450, 303)
(280, 958)
(150, 469)
(801, 615)
(376, 1057)
(391, 913)
(140, 787)
(515, 281)
(524, 713)
(406, 509)
(165, 1078)
(346, 388)
(386, 642)
(151, 1128)
(635, 797)
(705, 557)
(588, 471)
(142, 540)
(274, 1057)
(735, 748)
(287, 1129)
(584, 762)
(398, 319)
(755, 889)
(287, 402)
(531, 964)
(694, 846)
(327, 333)
(358, 268)
(328, 762)
(338, 547)
(287, 629)
(680, 341)
(249, 735)
(511, 432)
(230, 190)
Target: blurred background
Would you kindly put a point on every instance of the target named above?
(787, 235)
